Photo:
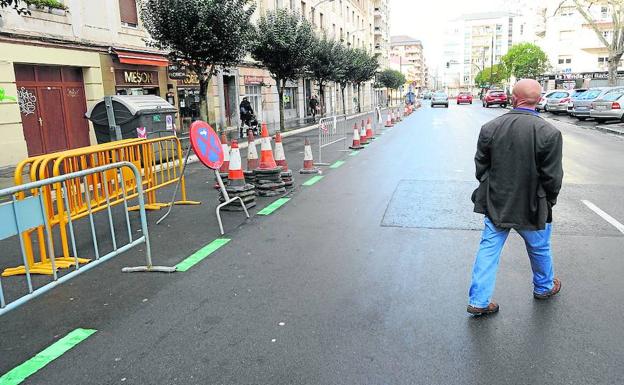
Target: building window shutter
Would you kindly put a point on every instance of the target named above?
(128, 12)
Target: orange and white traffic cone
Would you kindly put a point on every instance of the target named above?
(392, 117)
(280, 156)
(389, 120)
(252, 152)
(267, 162)
(308, 160)
(235, 167)
(369, 130)
(363, 136)
(226, 154)
(356, 139)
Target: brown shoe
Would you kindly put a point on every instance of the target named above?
(490, 309)
(556, 289)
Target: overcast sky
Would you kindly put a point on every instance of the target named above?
(425, 20)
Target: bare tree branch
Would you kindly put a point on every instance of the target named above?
(590, 20)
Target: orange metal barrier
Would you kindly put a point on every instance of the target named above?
(159, 160)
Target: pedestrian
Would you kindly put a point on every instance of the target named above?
(518, 166)
(314, 105)
(246, 114)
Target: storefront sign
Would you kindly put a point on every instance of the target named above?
(190, 79)
(136, 78)
(580, 75)
(176, 71)
(253, 80)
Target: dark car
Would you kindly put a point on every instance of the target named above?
(495, 97)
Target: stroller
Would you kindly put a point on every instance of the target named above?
(250, 123)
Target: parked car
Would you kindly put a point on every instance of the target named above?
(495, 97)
(575, 95)
(609, 106)
(582, 104)
(541, 105)
(427, 95)
(439, 98)
(464, 97)
(557, 102)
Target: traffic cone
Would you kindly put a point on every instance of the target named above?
(363, 137)
(280, 160)
(252, 152)
(308, 160)
(237, 186)
(235, 168)
(356, 139)
(280, 157)
(389, 120)
(369, 130)
(392, 117)
(226, 154)
(268, 175)
(267, 162)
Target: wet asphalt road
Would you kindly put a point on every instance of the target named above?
(361, 278)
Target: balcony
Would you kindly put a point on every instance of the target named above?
(378, 31)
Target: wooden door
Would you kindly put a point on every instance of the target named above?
(52, 105)
(53, 119)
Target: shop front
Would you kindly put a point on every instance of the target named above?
(134, 73)
(187, 98)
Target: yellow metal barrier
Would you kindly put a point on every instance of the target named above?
(159, 160)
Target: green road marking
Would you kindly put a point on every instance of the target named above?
(337, 164)
(313, 180)
(354, 153)
(20, 373)
(200, 254)
(273, 206)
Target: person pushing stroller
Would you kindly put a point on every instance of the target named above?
(247, 117)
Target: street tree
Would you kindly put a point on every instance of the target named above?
(497, 74)
(345, 65)
(204, 35)
(322, 64)
(366, 65)
(283, 43)
(524, 60)
(615, 46)
(391, 79)
(19, 6)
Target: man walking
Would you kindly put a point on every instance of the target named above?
(518, 165)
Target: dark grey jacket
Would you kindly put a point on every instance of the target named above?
(519, 168)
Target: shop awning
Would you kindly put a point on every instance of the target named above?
(140, 58)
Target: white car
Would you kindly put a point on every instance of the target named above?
(541, 106)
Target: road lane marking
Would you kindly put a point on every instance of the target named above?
(18, 374)
(604, 215)
(273, 206)
(200, 254)
(313, 180)
(337, 164)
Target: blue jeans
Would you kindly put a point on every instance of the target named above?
(492, 242)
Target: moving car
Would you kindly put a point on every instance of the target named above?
(582, 104)
(439, 98)
(609, 106)
(427, 95)
(558, 101)
(575, 95)
(464, 97)
(495, 97)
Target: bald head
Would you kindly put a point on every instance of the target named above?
(526, 93)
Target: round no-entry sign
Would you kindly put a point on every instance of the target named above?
(206, 144)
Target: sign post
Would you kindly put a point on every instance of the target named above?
(207, 146)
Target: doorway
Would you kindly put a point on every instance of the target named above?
(52, 106)
(231, 100)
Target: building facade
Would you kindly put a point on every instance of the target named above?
(407, 56)
(58, 62)
(382, 31)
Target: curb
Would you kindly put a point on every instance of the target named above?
(610, 130)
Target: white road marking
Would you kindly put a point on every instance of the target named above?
(604, 215)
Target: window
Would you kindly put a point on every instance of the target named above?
(566, 11)
(334, 31)
(521, 29)
(128, 13)
(353, 16)
(321, 20)
(303, 9)
(290, 98)
(604, 12)
(607, 35)
(564, 60)
(254, 94)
